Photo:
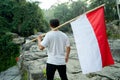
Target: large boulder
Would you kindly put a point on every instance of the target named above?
(11, 74)
(19, 40)
(32, 62)
(115, 49)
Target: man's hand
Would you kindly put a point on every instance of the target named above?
(67, 53)
(66, 59)
(39, 38)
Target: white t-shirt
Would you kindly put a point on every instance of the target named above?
(56, 43)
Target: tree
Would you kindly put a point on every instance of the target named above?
(27, 18)
(77, 8)
(118, 4)
(21, 17)
(66, 11)
(62, 12)
(110, 8)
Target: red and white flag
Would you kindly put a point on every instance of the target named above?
(89, 31)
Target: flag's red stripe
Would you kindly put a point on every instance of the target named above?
(97, 21)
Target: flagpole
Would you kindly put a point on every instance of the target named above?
(68, 21)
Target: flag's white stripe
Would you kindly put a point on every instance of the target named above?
(87, 45)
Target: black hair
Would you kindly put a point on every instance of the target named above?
(54, 23)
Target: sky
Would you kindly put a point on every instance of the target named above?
(45, 4)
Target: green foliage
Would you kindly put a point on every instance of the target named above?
(65, 12)
(28, 17)
(25, 75)
(77, 8)
(22, 17)
(44, 72)
(8, 51)
(57, 79)
(110, 8)
(3, 22)
(62, 13)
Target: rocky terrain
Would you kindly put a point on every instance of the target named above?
(31, 64)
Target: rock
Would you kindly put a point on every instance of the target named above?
(32, 37)
(115, 49)
(30, 56)
(35, 67)
(97, 78)
(33, 63)
(11, 74)
(35, 35)
(116, 44)
(116, 54)
(19, 40)
(26, 46)
(34, 48)
(110, 72)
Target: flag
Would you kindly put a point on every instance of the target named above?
(90, 36)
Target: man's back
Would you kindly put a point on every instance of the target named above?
(56, 41)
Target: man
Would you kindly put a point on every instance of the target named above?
(58, 49)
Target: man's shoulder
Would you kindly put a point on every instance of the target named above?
(64, 34)
(50, 33)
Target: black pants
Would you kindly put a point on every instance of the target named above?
(50, 71)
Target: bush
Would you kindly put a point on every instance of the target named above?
(8, 51)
